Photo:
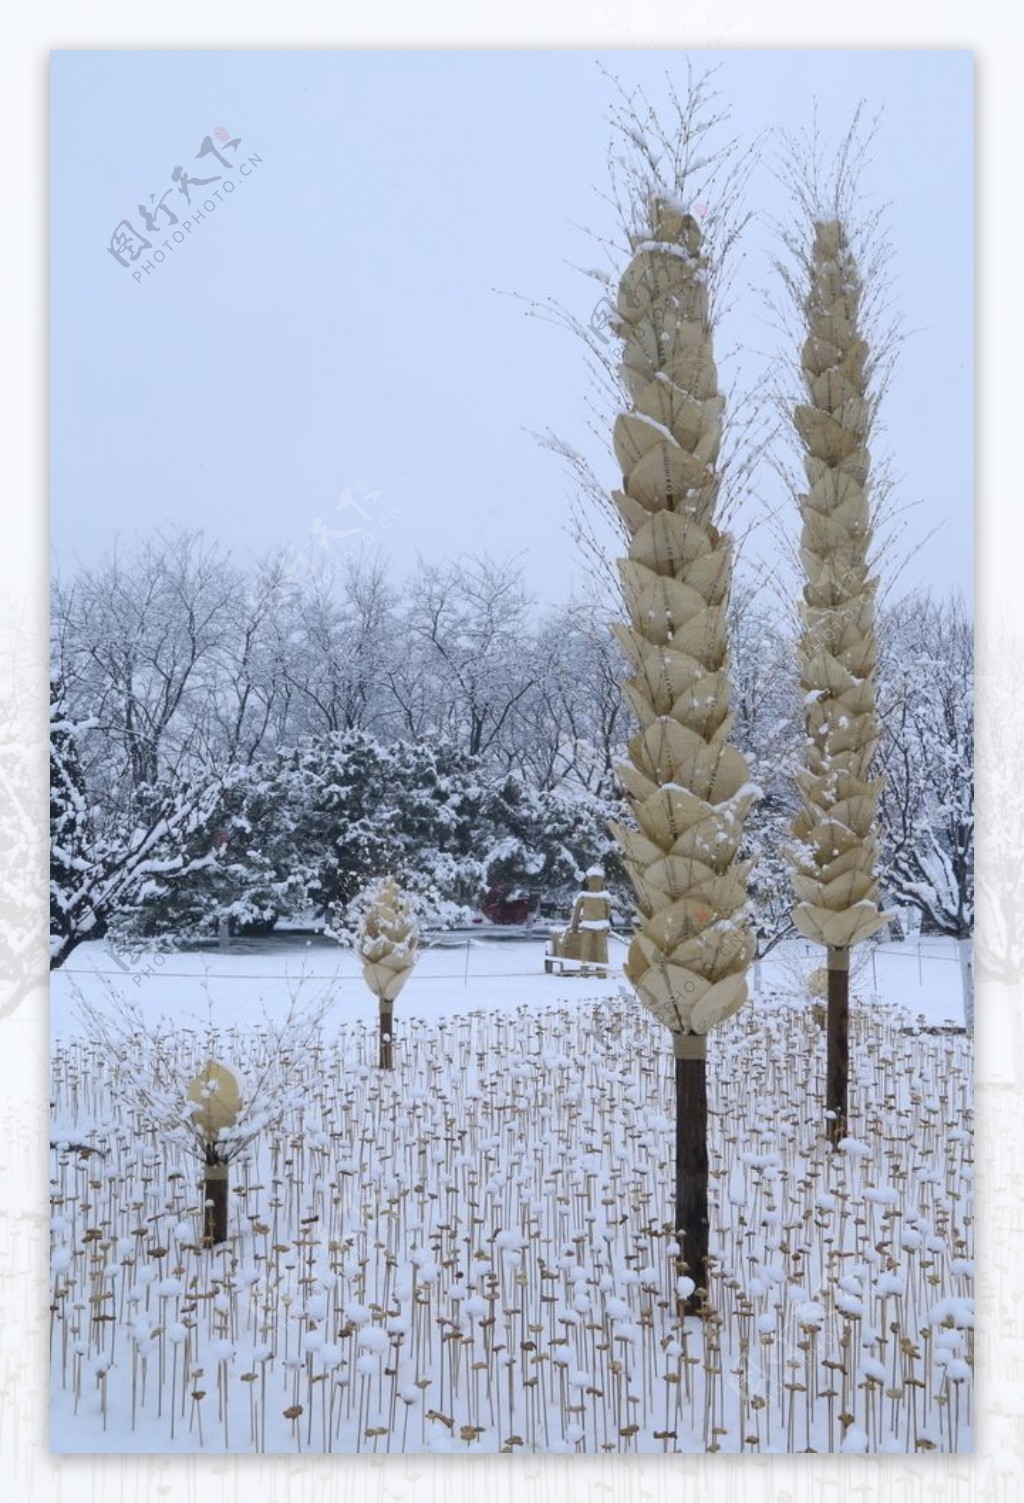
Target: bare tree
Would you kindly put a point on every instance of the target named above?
(22, 847)
(575, 722)
(340, 646)
(248, 692)
(927, 755)
(471, 652)
(137, 642)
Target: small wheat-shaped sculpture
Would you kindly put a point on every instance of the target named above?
(387, 945)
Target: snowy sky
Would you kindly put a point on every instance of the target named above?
(331, 348)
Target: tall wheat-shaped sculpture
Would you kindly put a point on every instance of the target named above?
(835, 849)
(686, 784)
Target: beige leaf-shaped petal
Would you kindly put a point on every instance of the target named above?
(664, 674)
(726, 892)
(837, 785)
(829, 534)
(831, 389)
(710, 574)
(669, 540)
(704, 705)
(819, 355)
(384, 981)
(669, 926)
(861, 858)
(671, 992)
(675, 811)
(826, 439)
(690, 367)
(824, 837)
(636, 783)
(654, 276)
(667, 752)
(677, 876)
(642, 703)
(715, 842)
(723, 950)
(632, 437)
(838, 930)
(658, 603)
(643, 953)
(856, 813)
(703, 637)
(688, 421)
(821, 670)
(858, 655)
(855, 415)
(845, 891)
(666, 475)
(633, 514)
(856, 617)
(833, 328)
(718, 1003)
(833, 490)
(637, 846)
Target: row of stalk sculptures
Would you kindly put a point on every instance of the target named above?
(687, 785)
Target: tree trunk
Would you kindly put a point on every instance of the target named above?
(68, 944)
(387, 1015)
(838, 1067)
(692, 1164)
(965, 950)
(215, 1196)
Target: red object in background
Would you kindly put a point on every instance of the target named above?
(220, 838)
(501, 906)
(221, 133)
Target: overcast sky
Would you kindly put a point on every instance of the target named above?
(331, 347)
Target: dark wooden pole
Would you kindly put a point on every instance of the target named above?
(838, 1066)
(692, 1164)
(387, 1014)
(215, 1196)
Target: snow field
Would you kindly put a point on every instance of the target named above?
(456, 976)
(471, 1253)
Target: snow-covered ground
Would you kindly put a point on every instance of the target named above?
(460, 975)
(470, 1252)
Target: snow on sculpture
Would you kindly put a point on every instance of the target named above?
(686, 783)
(387, 944)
